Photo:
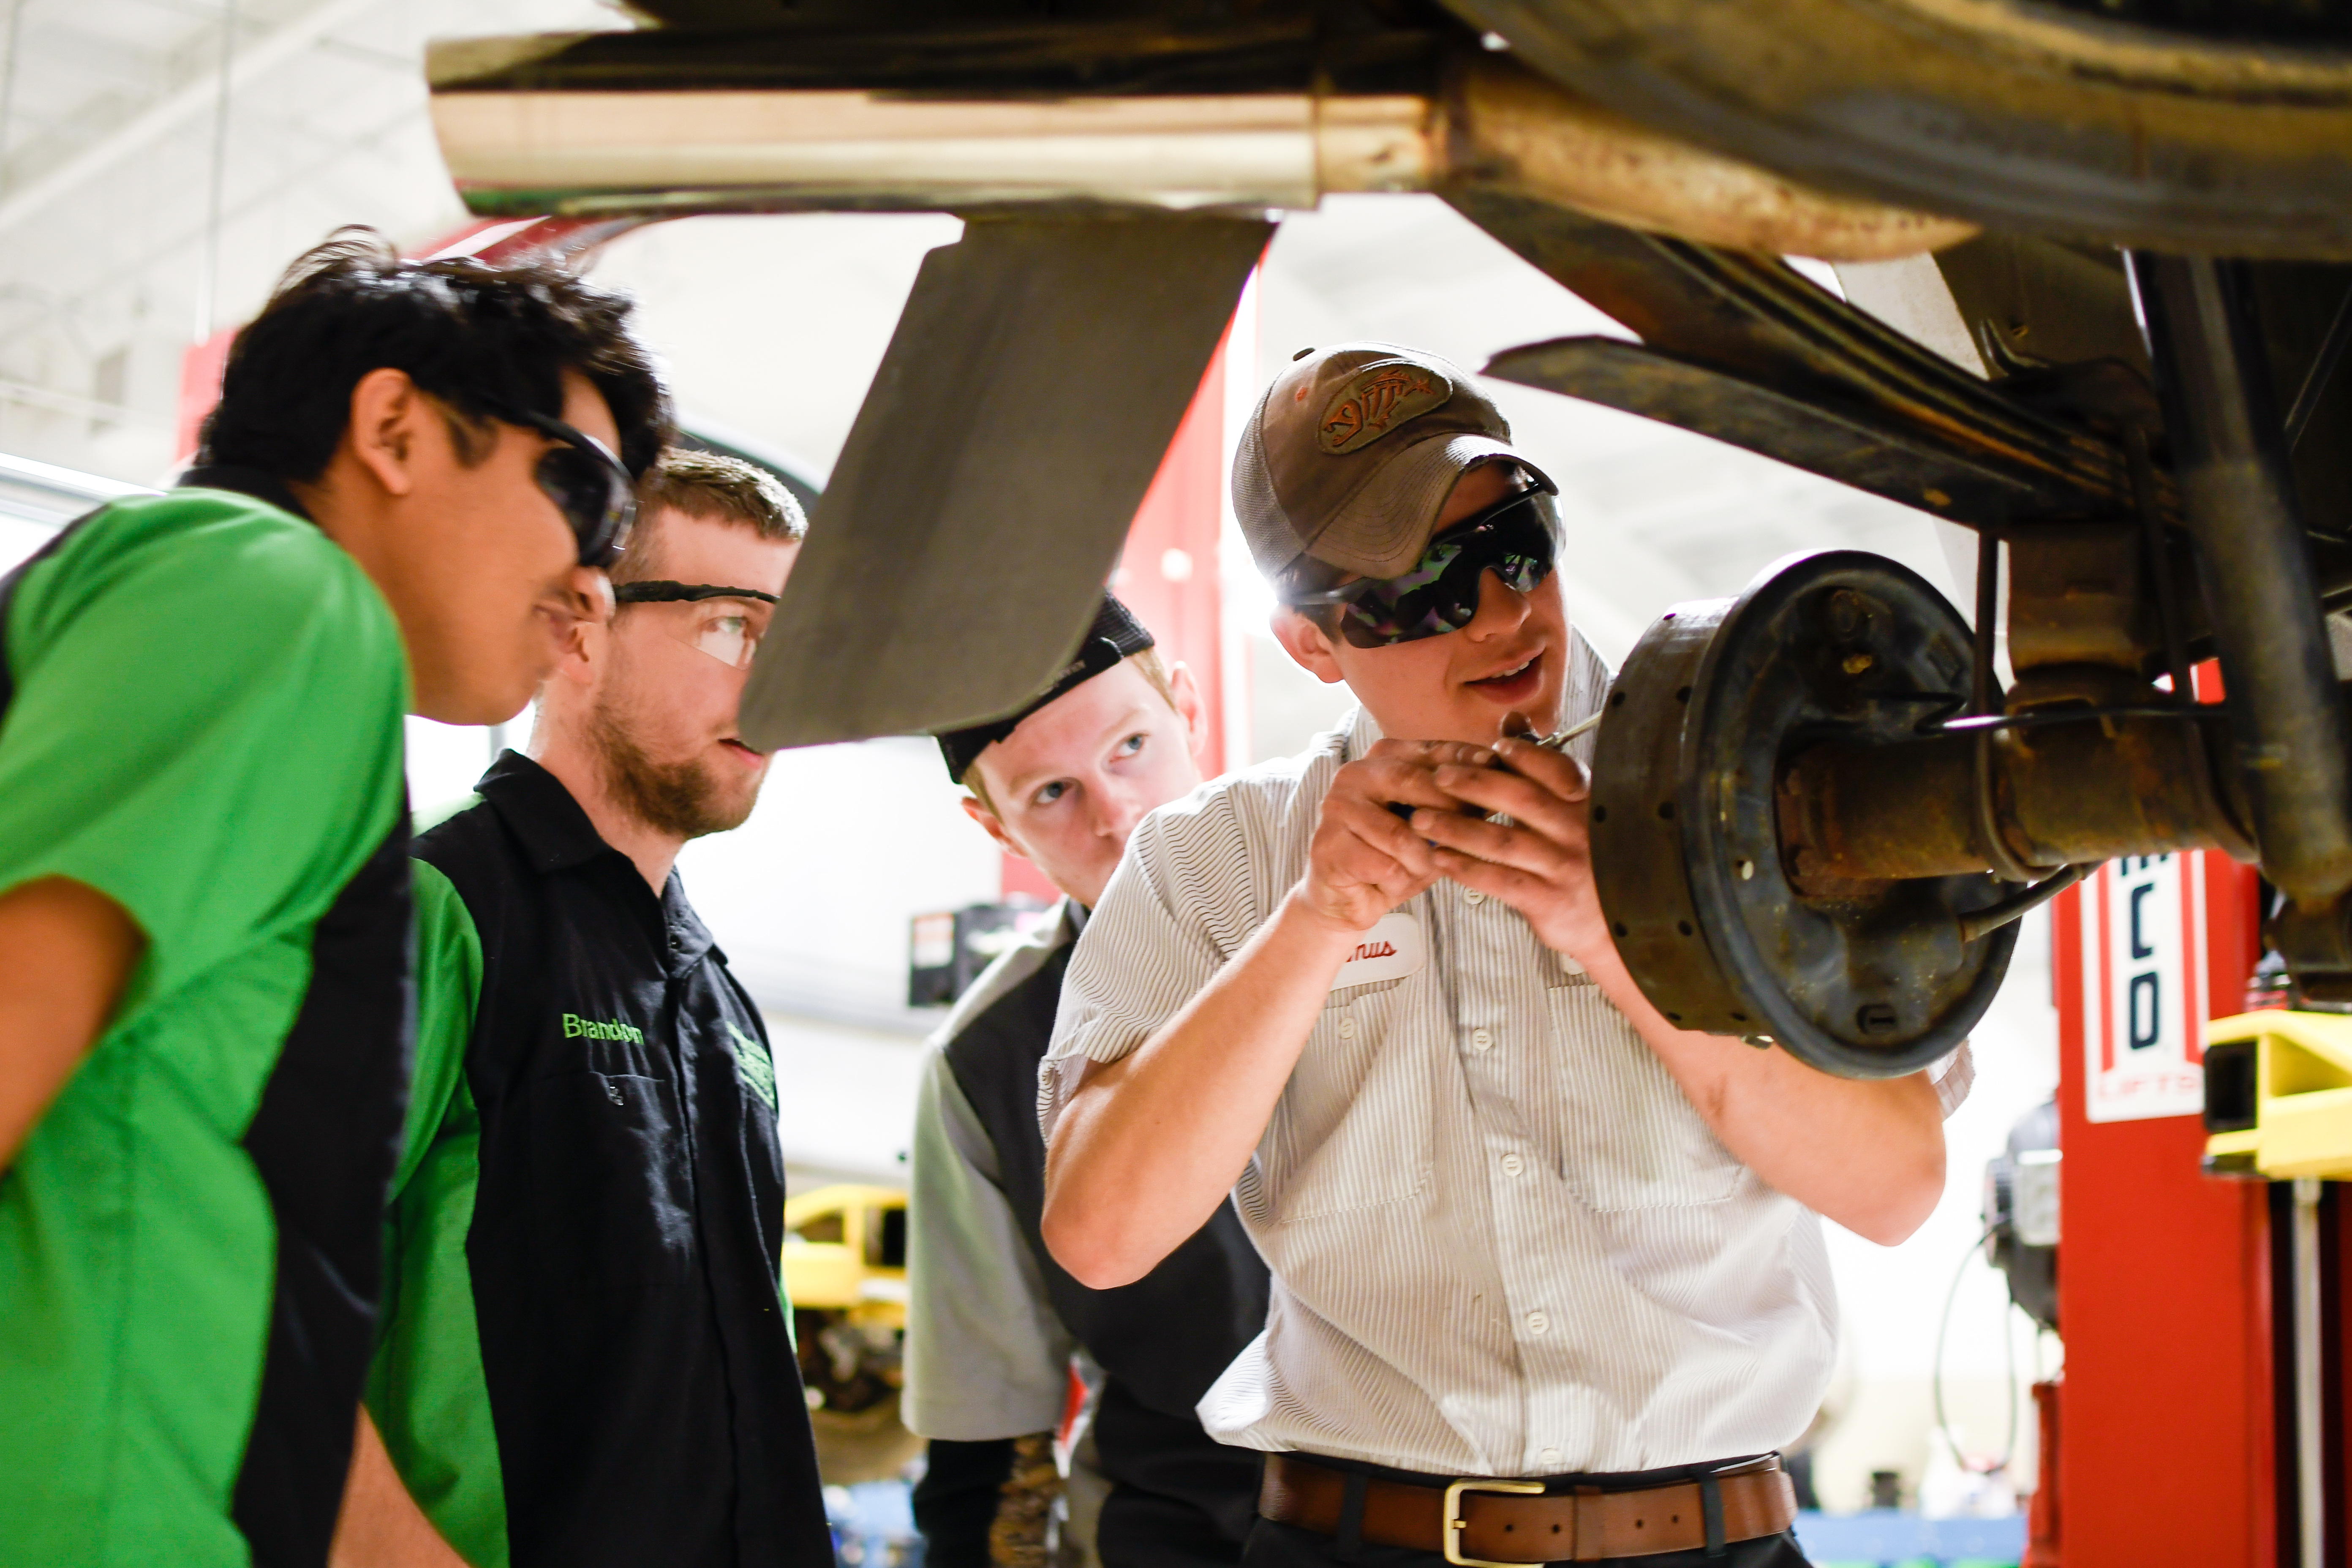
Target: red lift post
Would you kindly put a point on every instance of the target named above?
(2170, 1283)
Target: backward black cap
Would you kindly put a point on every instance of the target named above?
(1114, 635)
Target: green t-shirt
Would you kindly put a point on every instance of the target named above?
(206, 728)
(425, 1388)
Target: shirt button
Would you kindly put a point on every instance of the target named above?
(1548, 1457)
(1538, 1323)
(1481, 1039)
(1346, 1028)
(1511, 1164)
(1474, 897)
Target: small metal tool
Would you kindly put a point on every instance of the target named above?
(1555, 741)
(1558, 739)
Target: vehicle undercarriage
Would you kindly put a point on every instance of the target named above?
(2097, 273)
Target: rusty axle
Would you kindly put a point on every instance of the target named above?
(1853, 818)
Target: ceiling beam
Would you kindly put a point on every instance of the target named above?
(191, 100)
(67, 299)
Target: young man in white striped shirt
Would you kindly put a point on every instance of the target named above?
(1548, 1282)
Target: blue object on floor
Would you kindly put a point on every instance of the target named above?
(874, 1525)
(1880, 1536)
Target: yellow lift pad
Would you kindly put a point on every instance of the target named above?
(2278, 1095)
(845, 1251)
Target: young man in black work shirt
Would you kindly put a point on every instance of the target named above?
(992, 1321)
(585, 1357)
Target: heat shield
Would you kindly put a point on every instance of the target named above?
(1038, 373)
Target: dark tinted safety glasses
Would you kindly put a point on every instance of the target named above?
(596, 495)
(1512, 539)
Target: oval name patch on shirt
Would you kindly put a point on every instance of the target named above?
(1390, 951)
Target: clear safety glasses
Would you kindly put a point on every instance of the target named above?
(724, 623)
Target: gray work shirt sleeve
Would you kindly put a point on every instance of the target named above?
(986, 1356)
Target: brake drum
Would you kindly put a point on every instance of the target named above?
(1712, 705)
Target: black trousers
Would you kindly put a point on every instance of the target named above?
(1273, 1545)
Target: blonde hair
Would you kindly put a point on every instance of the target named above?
(1152, 667)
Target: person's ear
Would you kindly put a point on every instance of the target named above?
(991, 826)
(1186, 693)
(386, 429)
(587, 645)
(1304, 641)
(592, 598)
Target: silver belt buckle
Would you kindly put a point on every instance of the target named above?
(1455, 1524)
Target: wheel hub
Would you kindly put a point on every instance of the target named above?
(1861, 979)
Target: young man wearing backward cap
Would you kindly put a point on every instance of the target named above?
(1548, 1282)
(992, 1323)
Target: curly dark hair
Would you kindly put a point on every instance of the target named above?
(479, 339)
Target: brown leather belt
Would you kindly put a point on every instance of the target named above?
(1481, 1522)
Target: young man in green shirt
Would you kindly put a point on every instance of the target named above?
(407, 496)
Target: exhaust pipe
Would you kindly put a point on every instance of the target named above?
(661, 124)
(1526, 133)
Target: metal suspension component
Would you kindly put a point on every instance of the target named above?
(2230, 455)
(1744, 348)
(2072, 793)
(1039, 370)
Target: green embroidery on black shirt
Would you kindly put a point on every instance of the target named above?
(576, 1027)
(752, 1061)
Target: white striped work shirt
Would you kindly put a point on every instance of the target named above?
(1502, 1242)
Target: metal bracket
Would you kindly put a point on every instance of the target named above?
(1984, 702)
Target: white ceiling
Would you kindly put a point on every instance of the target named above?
(111, 113)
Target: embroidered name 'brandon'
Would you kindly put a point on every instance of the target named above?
(576, 1027)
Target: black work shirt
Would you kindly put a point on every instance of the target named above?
(595, 1157)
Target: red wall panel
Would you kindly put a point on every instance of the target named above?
(1168, 574)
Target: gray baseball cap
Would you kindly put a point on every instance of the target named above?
(1349, 456)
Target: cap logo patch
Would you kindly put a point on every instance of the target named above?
(1378, 401)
